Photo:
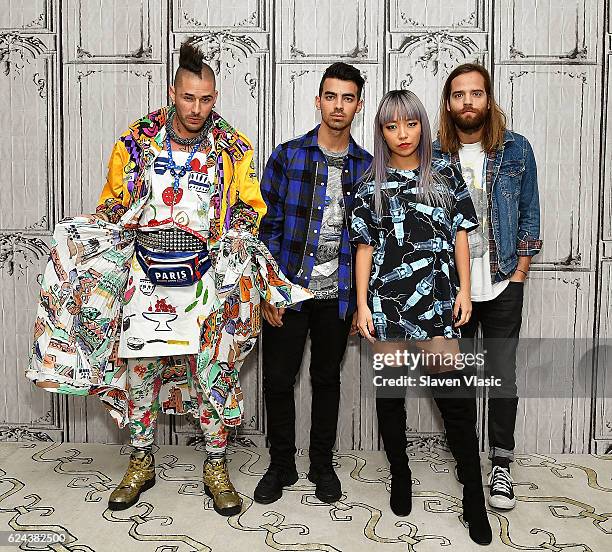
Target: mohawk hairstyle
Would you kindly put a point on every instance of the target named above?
(191, 59)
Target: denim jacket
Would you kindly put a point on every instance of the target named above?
(514, 203)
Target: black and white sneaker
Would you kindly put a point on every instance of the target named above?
(501, 494)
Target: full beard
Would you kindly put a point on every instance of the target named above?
(469, 125)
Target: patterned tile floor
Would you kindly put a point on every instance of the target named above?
(564, 504)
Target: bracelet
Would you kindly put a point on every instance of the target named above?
(519, 270)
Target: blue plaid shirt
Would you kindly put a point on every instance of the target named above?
(294, 186)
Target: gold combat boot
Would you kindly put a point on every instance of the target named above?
(218, 486)
(139, 477)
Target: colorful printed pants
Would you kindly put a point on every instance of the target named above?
(145, 378)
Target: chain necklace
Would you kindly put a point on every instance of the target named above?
(201, 137)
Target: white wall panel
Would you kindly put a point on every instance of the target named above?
(28, 88)
(334, 30)
(32, 16)
(550, 31)
(461, 15)
(103, 100)
(199, 15)
(562, 127)
(114, 30)
(65, 106)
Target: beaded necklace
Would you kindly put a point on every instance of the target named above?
(178, 171)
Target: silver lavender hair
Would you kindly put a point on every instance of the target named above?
(396, 105)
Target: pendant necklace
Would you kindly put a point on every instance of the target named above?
(173, 194)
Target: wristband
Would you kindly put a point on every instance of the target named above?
(519, 270)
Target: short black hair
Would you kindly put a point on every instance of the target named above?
(191, 59)
(345, 72)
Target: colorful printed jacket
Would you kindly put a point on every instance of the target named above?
(127, 187)
(79, 314)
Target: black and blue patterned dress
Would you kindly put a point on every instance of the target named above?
(413, 283)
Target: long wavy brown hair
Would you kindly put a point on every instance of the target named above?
(495, 121)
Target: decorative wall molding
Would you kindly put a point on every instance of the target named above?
(603, 408)
(140, 44)
(35, 16)
(18, 252)
(520, 44)
(301, 43)
(440, 50)
(576, 250)
(19, 433)
(452, 15)
(17, 50)
(95, 89)
(202, 15)
(237, 46)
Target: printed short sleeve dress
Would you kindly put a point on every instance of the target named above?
(413, 283)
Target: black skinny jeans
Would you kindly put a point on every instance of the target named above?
(283, 349)
(500, 320)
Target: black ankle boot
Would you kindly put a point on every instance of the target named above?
(458, 409)
(401, 491)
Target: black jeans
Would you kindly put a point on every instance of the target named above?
(500, 320)
(283, 349)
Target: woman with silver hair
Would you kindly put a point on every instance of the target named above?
(410, 223)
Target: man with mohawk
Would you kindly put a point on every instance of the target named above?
(152, 303)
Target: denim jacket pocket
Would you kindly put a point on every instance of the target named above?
(510, 175)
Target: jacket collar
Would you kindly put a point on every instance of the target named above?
(508, 137)
(153, 127)
(311, 140)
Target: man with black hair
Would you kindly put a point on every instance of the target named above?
(308, 186)
(179, 215)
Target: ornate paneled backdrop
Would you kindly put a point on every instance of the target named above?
(76, 72)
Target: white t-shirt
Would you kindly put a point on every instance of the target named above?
(472, 158)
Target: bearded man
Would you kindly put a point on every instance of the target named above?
(500, 171)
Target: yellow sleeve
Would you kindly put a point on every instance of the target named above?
(248, 206)
(115, 197)
(248, 185)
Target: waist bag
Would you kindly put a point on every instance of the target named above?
(173, 268)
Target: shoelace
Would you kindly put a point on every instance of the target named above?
(501, 481)
(135, 472)
(219, 478)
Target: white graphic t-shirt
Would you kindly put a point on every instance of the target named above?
(472, 158)
(324, 279)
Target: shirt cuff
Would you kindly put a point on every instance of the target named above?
(469, 225)
(528, 247)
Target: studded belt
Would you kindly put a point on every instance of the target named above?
(171, 239)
